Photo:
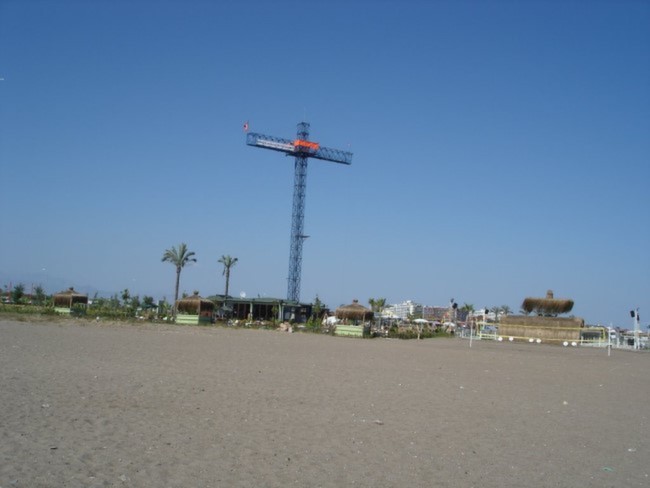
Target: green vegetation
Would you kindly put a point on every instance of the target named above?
(313, 325)
(16, 308)
(412, 333)
(377, 304)
(18, 293)
(131, 308)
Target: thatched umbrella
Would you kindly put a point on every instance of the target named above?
(354, 311)
(548, 305)
(195, 305)
(69, 297)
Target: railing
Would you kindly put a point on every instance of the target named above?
(596, 342)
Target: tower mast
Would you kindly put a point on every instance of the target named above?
(302, 149)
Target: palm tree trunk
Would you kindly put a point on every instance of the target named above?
(178, 280)
(227, 280)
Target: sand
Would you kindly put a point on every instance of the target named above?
(96, 405)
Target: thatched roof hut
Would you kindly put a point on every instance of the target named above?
(195, 305)
(68, 298)
(354, 311)
(549, 306)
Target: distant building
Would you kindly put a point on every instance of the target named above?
(443, 314)
(435, 314)
(404, 310)
(432, 313)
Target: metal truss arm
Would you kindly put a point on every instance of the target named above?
(270, 142)
(334, 155)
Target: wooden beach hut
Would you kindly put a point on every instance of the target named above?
(65, 302)
(194, 310)
(351, 315)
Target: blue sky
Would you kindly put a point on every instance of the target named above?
(500, 148)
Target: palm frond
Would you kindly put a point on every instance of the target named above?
(179, 257)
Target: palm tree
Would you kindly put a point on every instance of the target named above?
(18, 293)
(316, 309)
(228, 262)
(497, 312)
(179, 258)
(467, 310)
(467, 307)
(39, 295)
(126, 296)
(377, 304)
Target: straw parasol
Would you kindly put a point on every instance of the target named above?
(68, 298)
(195, 305)
(548, 305)
(354, 311)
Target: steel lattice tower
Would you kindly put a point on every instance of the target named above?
(302, 149)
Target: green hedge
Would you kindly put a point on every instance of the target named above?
(412, 334)
(27, 309)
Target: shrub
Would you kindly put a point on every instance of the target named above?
(27, 309)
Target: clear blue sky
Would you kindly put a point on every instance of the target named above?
(500, 148)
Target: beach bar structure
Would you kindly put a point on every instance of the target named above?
(352, 315)
(261, 308)
(546, 325)
(554, 330)
(194, 310)
(67, 301)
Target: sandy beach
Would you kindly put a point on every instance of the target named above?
(108, 405)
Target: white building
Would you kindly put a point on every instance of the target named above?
(403, 310)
